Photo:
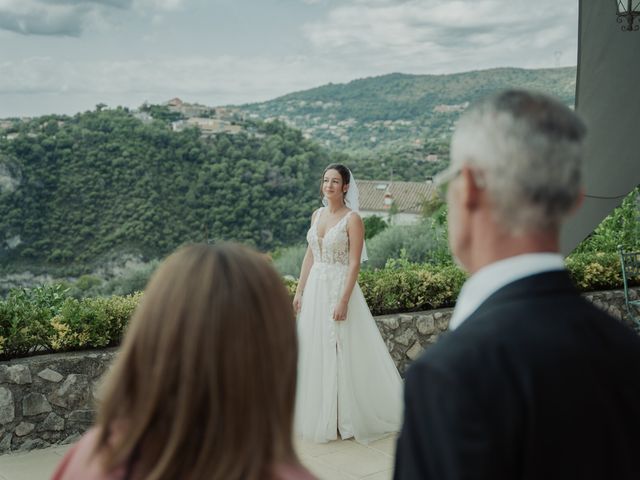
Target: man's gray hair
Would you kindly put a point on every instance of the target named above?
(527, 148)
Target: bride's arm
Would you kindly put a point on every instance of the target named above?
(307, 263)
(355, 231)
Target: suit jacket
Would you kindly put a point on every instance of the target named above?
(536, 384)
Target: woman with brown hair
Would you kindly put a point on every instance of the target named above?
(204, 385)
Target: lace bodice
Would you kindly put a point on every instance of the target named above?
(333, 248)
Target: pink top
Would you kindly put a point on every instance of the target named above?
(77, 465)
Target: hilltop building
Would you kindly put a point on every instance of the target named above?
(399, 202)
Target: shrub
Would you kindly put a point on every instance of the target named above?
(118, 310)
(46, 319)
(288, 261)
(620, 227)
(425, 242)
(291, 286)
(25, 319)
(79, 326)
(596, 270)
(373, 225)
(402, 286)
(93, 322)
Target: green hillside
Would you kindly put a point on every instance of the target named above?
(78, 191)
(397, 121)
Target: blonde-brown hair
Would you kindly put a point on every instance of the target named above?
(204, 386)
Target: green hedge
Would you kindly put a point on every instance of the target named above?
(48, 319)
(596, 271)
(402, 286)
(45, 319)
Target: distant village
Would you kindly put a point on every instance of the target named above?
(316, 120)
(209, 120)
(324, 128)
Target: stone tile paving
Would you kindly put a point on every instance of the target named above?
(339, 460)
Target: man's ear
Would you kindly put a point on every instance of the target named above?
(472, 191)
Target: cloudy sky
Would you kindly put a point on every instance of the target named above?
(65, 56)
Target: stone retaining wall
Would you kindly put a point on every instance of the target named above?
(408, 334)
(50, 399)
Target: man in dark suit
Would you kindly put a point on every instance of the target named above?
(531, 381)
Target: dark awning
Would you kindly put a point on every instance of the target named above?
(608, 99)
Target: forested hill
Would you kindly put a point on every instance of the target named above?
(78, 191)
(397, 111)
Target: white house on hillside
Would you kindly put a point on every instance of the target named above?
(377, 197)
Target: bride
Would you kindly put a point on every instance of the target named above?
(347, 381)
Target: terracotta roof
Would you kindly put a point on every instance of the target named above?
(407, 196)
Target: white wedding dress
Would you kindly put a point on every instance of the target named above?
(347, 381)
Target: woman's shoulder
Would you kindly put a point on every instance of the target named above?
(71, 465)
(315, 213)
(81, 464)
(353, 217)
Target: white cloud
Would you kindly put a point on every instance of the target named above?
(439, 36)
(223, 79)
(166, 5)
(32, 17)
(70, 17)
(108, 3)
(179, 55)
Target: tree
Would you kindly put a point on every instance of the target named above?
(373, 225)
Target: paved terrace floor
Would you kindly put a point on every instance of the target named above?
(339, 460)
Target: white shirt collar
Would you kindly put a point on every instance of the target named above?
(488, 280)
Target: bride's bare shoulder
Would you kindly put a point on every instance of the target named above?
(354, 217)
(315, 214)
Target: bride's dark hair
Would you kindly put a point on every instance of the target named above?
(341, 169)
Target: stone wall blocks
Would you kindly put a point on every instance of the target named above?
(74, 391)
(81, 420)
(73, 438)
(50, 375)
(415, 351)
(5, 443)
(33, 443)
(24, 428)
(405, 318)
(16, 374)
(443, 323)
(406, 337)
(20, 374)
(391, 323)
(615, 312)
(7, 406)
(426, 324)
(35, 404)
(53, 422)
